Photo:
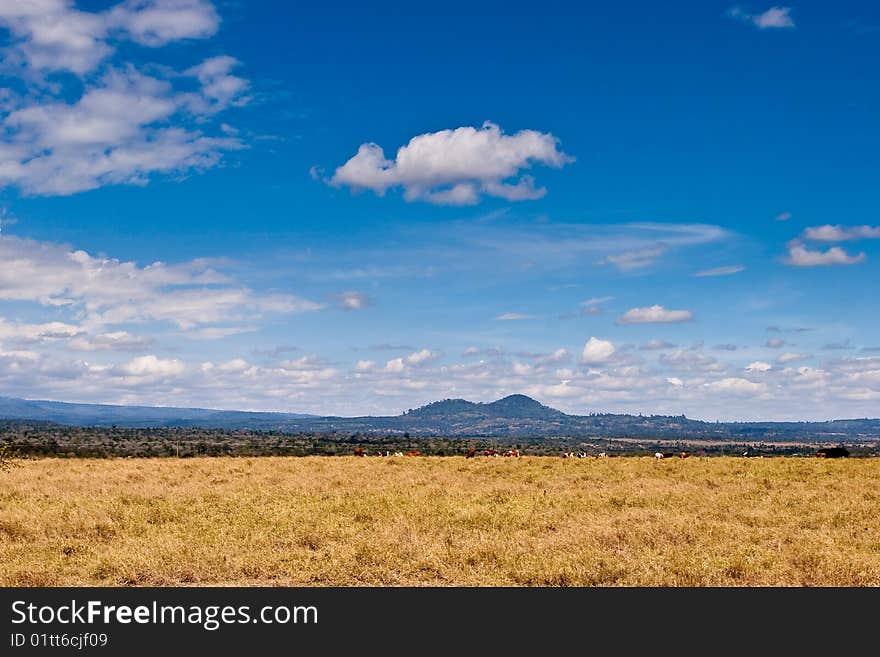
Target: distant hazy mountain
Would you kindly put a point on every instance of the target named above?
(515, 416)
(133, 416)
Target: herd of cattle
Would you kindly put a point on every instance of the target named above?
(825, 453)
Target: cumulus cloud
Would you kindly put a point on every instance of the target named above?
(597, 351)
(773, 18)
(52, 35)
(838, 233)
(420, 357)
(456, 167)
(122, 125)
(353, 300)
(736, 386)
(801, 256)
(758, 366)
(685, 381)
(404, 363)
(151, 366)
(721, 271)
(654, 314)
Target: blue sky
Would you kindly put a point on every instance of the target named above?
(346, 209)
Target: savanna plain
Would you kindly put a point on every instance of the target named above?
(441, 521)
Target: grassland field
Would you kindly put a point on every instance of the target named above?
(441, 521)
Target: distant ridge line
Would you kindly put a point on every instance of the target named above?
(512, 416)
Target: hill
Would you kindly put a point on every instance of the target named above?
(134, 416)
(515, 416)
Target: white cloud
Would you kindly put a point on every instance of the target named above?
(629, 260)
(838, 233)
(654, 314)
(597, 351)
(690, 360)
(152, 366)
(791, 356)
(112, 341)
(405, 364)
(106, 291)
(721, 271)
(234, 365)
(758, 366)
(395, 365)
(220, 89)
(217, 332)
(157, 22)
(118, 125)
(774, 343)
(654, 345)
(513, 317)
(420, 357)
(685, 382)
(455, 167)
(353, 300)
(558, 356)
(773, 18)
(736, 386)
(783, 216)
(800, 256)
(52, 35)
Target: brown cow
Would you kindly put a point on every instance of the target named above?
(359, 452)
(471, 454)
(413, 453)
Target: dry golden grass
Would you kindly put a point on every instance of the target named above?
(441, 521)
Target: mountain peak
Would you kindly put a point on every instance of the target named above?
(522, 406)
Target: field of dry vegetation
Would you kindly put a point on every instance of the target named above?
(533, 521)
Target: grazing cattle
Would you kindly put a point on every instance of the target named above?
(398, 453)
(471, 454)
(663, 455)
(413, 453)
(832, 453)
(602, 455)
(359, 452)
(512, 452)
(682, 455)
(490, 452)
(658, 455)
